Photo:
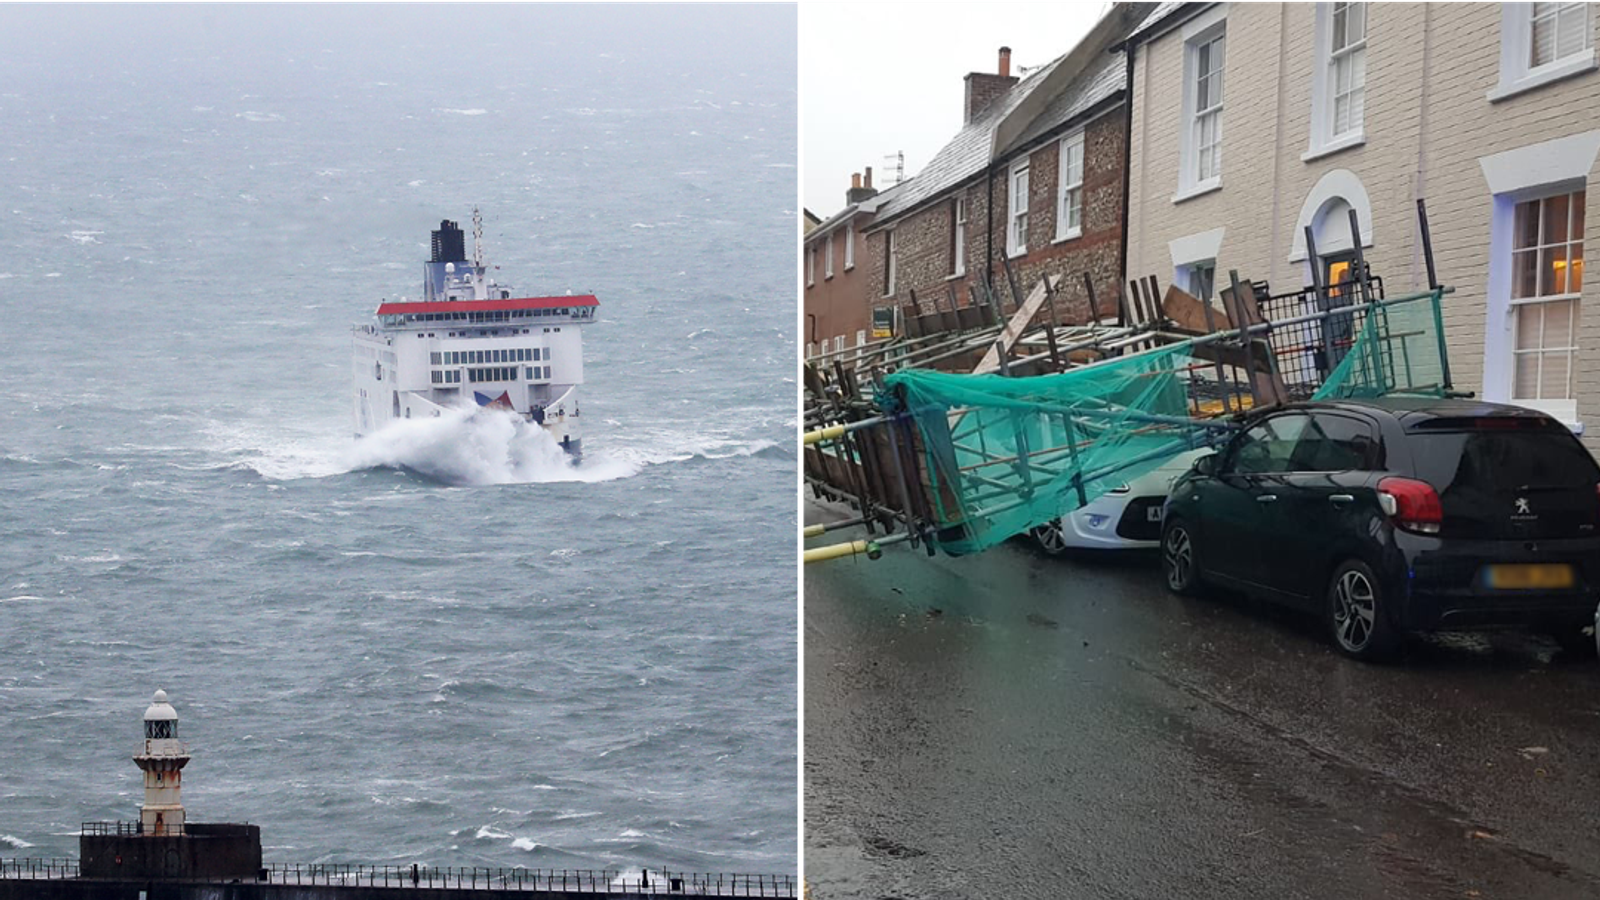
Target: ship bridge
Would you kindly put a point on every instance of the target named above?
(577, 309)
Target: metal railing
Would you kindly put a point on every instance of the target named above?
(663, 883)
(38, 868)
(601, 881)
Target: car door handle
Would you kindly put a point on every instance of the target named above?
(1342, 498)
(1266, 498)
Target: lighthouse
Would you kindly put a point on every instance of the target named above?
(162, 760)
(164, 844)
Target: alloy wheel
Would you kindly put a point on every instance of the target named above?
(1051, 537)
(1177, 553)
(1355, 609)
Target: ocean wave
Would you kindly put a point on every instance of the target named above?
(14, 841)
(464, 112)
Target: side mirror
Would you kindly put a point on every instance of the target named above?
(1205, 465)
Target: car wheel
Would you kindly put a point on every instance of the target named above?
(1050, 538)
(1356, 615)
(1178, 559)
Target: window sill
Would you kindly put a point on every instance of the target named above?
(1355, 139)
(1013, 254)
(849, 267)
(1197, 190)
(1546, 74)
(955, 276)
(1069, 236)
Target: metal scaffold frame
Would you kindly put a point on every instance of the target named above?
(932, 473)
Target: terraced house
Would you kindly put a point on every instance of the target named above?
(1250, 122)
(1033, 181)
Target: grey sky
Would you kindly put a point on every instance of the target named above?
(881, 77)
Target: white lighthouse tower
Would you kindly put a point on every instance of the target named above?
(162, 760)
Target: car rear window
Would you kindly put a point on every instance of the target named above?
(1503, 460)
(1510, 481)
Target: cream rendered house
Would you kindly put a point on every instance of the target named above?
(1253, 120)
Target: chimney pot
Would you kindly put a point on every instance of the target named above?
(1005, 62)
(867, 182)
(855, 180)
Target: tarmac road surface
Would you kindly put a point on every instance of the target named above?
(1008, 726)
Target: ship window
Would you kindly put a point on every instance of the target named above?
(547, 371)
(527, 372)
(438, 378)
(558, 329)
(436, 358)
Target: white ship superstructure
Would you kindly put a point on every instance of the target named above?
(471, 342)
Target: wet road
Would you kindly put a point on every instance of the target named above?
(1007, 726)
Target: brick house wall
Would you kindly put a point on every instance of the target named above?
(840, 305)
(923, 245)
(1432, 118)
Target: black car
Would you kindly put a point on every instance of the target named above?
(1397, 515)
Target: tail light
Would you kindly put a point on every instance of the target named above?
(1412, 504)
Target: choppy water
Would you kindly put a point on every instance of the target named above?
(441, 644)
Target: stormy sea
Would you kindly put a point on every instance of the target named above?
(441, 643)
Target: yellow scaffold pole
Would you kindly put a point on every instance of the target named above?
(833, 432)
(835, 551)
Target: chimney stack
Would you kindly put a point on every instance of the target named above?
(860, 189)
(984, 88)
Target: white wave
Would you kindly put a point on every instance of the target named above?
(464, 112)
(487, 832)
(480, 447)
(19, 598)
(16, 842)
(253, 116)
(85, 237)
(525, 844)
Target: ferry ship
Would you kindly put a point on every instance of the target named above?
(471, 342)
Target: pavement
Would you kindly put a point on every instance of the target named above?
(1010, 726)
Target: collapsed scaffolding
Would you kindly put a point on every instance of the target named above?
(1054, 415)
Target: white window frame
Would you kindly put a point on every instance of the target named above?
(1565, 407)
(811, 349)
(958, 238)
(1324, 84)
(838, 343)
(1017, 207)
(889, 254)
(1199, 32)
(849, 246)
(811, 265)
(827, 257)
(1517, 72)
(1069, 188)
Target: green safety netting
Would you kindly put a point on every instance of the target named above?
(1003, 455)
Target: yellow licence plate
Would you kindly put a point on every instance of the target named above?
(1534, 576)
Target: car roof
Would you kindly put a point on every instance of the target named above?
(1410, 411)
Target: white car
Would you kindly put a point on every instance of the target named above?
(1127, 518)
